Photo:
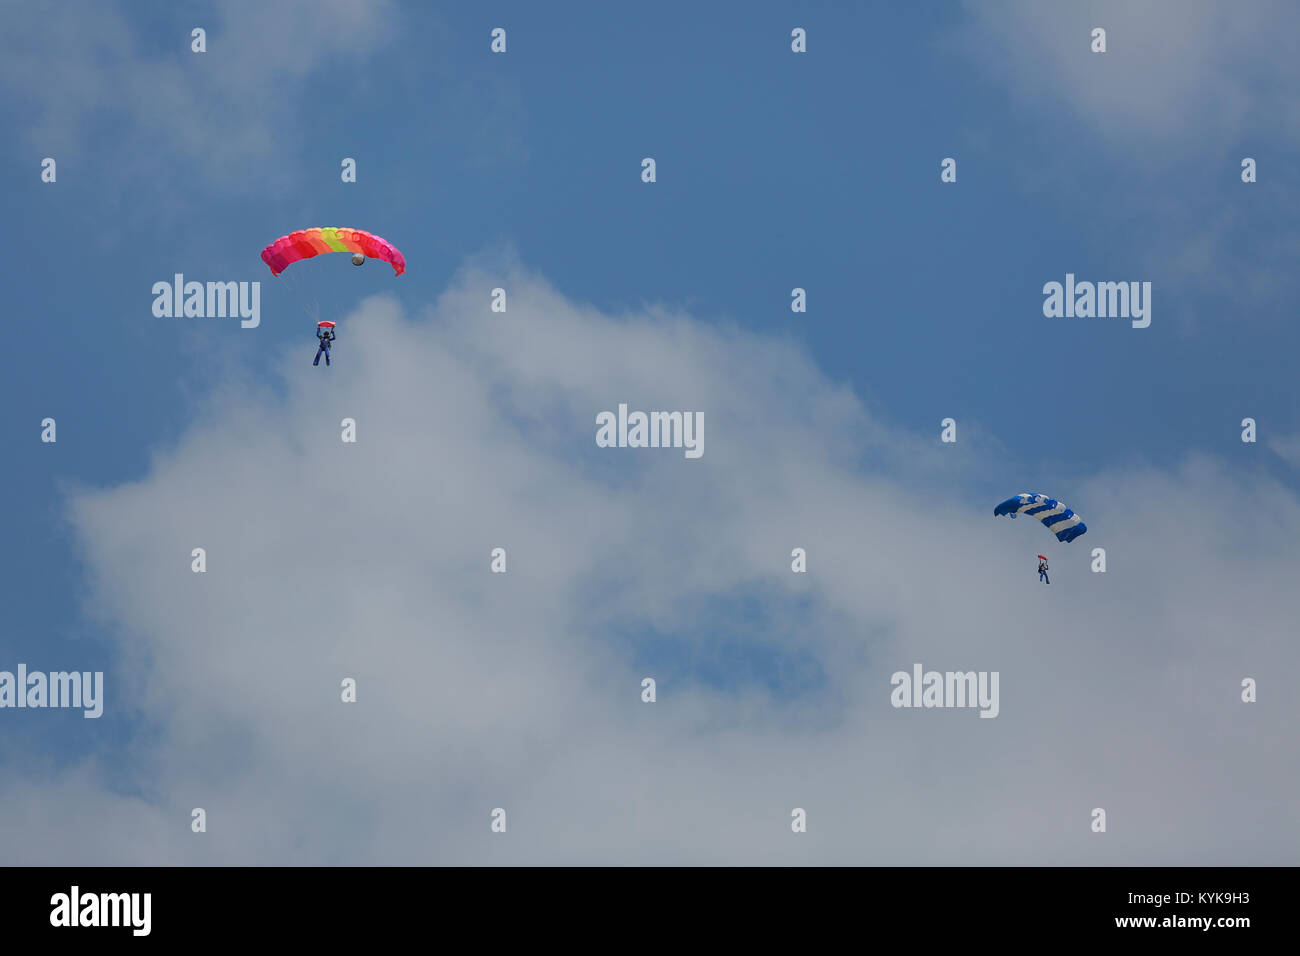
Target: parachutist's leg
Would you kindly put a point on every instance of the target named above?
(327, 359)
(317, 362)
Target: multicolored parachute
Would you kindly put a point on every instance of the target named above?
(1057, 518)
(307, 243)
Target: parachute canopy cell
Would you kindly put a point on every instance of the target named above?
(325, 325)
(1056, 517)
(306, 243)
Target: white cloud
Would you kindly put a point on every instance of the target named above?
(1186, 90)
(476, 430)
(1192, 73)
(78, 70)
(1287, 448)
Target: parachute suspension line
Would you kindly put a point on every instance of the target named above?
(299, 292)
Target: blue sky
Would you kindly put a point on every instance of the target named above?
(775, 170)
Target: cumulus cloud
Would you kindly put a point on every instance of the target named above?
(1184, 92)
(476, 430)
(75, 71)
(1287, 448)
(1176, 72)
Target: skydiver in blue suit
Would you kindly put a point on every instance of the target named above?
(326, 336)
(1042, 570)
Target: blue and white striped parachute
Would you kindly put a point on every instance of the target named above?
(1060, 520)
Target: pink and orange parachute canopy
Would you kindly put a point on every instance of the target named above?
(313, 242)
